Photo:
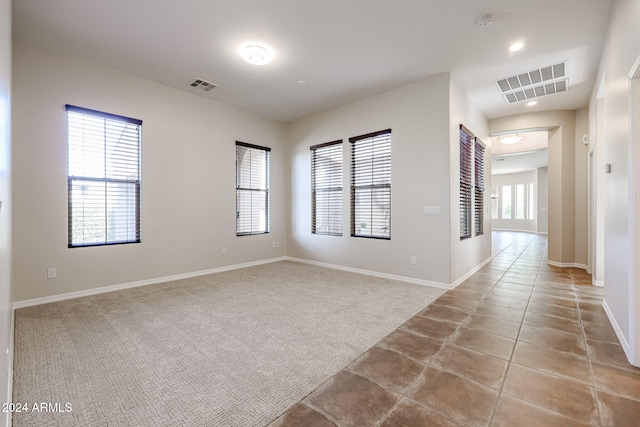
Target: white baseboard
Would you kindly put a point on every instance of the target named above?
(471, 273)
(623, 340)
(567, 264)
(112, 288)
(598, 283)
(374, 273)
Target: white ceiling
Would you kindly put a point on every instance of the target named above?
(345, 50)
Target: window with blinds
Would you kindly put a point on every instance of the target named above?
(371, 185)
(466, 157)
(478, 201)
(326, 188)
(252, 189)
(103, 179)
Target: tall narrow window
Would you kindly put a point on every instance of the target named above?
(478, 201)
(506, 202)
(326, 188)
(252, 189)
(103, 179)
(531, 206)
(466, 151)
(371, 185)
(520, 208)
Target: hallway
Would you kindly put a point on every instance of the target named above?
(519, 343)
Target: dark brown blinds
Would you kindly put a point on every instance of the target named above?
(252, 189)
(371, 185)
(466, 152)
(326, 188)
(478, 201)
(103, 179)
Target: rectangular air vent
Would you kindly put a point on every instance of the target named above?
(534, 84)
(203, 84)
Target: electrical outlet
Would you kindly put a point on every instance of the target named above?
(274, 244)
(224, 251)
(413, 260)
(51, 273)
(277, 244)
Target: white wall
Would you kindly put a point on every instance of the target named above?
(188, 178)
(581, 189)
(5, 208)
(513, 179)
(424, 134)
(621, 51)
(467, 254)
(543, 200)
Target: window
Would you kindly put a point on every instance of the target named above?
(326, 188)
(478, 201)
(466, 150)
(506, 202)
(103, 180)
(371, 185)
(252, 189)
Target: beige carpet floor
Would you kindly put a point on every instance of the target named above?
(228, 349)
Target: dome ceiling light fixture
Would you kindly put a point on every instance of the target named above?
(256, 53)
(510, 139)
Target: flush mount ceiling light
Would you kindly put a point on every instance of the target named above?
(256, 54)
(516, 47)
(510, 139)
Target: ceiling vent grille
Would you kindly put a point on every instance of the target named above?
(203, 84)
(534, 84)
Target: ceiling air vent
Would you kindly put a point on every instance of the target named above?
(534, 84)
(203, 84)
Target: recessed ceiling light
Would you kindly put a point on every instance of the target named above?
(516, 47)
(532, 103)
(256, 54)
(510, 139)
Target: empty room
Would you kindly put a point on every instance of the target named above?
(336, 213)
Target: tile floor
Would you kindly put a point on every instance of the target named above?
(520, 343)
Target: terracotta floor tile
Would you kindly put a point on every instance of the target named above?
(442, 312)
(459, 303)
(478, 367)
(518, 280)
(473, 295)
(515, 412)
(302, 415)
(618, 411)
(552, 361)
(602, 332)
(506, 302)
(556, 340)
(390, 369)
(594, 316)
(547, 299)
(608, 353)
(459, 398)
(540, 320)
(556, 293)
(352, 400)
(430, 327)
(409, 413)
(511, 314)
(492, 324)
(498, 292)
(625, 382)
(484, 342)
(589, 306)
(566, 397)
(513, 286)
(415, 346)
(554, 310)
